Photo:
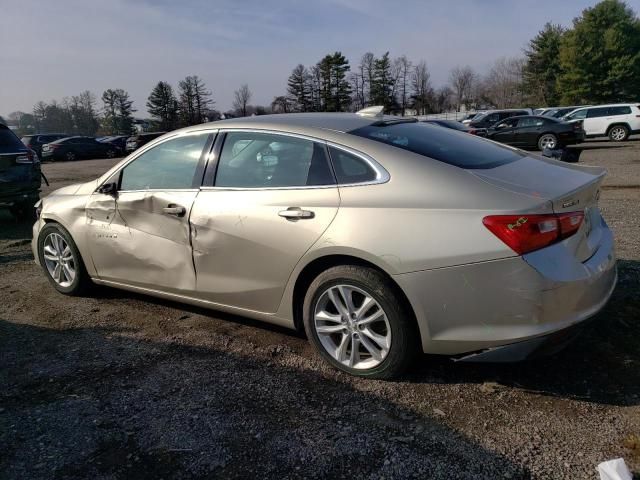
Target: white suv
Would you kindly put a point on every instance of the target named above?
(614, 121)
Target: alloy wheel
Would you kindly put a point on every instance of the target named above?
(58, 259)
(618, 133)
(547, 141)
(70, 156)
(352, 327)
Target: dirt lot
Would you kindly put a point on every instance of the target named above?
(124, 386)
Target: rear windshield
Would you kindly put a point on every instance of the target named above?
(9, 139)
(444, 144)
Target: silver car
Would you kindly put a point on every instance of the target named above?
(380, 237)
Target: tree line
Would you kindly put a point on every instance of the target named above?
(597, 60)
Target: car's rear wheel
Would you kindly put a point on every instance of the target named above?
(618, 133)
(61, 260)
(355, 319)
(548, 140)
(111, 153)
(70, 156)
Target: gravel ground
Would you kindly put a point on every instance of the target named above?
(119, 385)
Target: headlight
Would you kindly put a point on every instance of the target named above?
(38, 207)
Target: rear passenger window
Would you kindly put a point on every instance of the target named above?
(350, 168)
(262, 160)
(619, 110)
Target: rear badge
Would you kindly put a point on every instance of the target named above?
(570, 204)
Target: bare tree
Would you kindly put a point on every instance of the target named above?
(241, 100)
(462, 79)
(503, 86)
(403, 67)
(421, 89)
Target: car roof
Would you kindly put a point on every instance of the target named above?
(339, 122)
(610, 105)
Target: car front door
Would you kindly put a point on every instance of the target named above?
(140, 235)
(273, 197)
(596, 121)
(505, 132)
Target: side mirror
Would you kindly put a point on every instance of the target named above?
(108, 189)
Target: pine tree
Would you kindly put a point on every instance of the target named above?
(163, 106)
(542, 69)
(299, 88)
(382, 82)
(600, 56)
(194, 100)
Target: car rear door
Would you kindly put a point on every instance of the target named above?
(273, 196)
(528, 131)
(141, 235)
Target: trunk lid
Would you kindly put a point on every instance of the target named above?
(569, 188)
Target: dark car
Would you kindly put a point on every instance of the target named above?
(20, 175)
(36, 141)
(536, 131)
(560, 112)
(74, 148)
(492, 117)
(136, 141)
(118, 141)
(452, 124)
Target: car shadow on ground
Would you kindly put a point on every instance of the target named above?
(602, 365)
(97, 403)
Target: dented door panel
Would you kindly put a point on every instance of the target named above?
(244, 251)
(134, 240)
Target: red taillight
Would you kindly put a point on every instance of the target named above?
(29, 157)
(526, 233)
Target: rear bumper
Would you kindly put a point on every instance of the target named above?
(513, 304)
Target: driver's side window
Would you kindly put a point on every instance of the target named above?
(168, 166)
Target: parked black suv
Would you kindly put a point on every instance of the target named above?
(136, 141)
(36, 141)
(75, 148)
(20, 175)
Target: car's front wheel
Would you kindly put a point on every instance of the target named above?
(70, 156)
(61, 260)
(111, 153)
(355, 319)
(618, 133)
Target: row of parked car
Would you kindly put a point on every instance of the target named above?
(552, 128)
(61, 146)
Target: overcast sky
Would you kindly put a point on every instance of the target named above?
(53, 49)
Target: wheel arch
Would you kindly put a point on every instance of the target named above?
(320, 264)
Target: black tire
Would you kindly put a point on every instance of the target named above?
(618, 133)
(111, 154)
(82, 282)
(404, 334)
(544, 138)
(70, 156)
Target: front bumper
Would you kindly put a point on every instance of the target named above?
(501, 304)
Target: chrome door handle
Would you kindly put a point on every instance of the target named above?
(173, 209)
(295, 213)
